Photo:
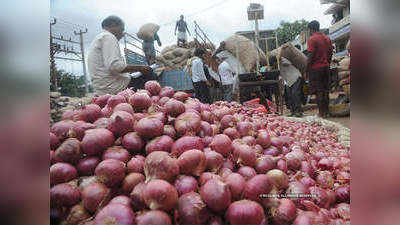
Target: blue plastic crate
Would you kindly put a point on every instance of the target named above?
(177, 79)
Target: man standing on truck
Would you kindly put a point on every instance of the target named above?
(320, 52)
(149, 50)
(226, 73)
(195, 68)
(182, 28)
(107, 66)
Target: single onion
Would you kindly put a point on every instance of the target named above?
(153, 87)
(64, 195)
(54, 141)
(133, 142)
(188, 123)
(185, 184)
(245, 212)
(207, 116)
(135, 165)
(69, 151)
(78, 129)
(281, 165)
(159, 194)
(221, 144)
(111, 172)
(322, 198)
(169, 131)
(293, 161)
(204, 177)
(186, 143)
(228, 121)
(232, 133)
(214, 161)
(249, 140)
(122, 199)
(263, 139)
(166, 92)
(102, 122)
(192, 210)
(115, 100)
(96, 141)
(236, 183)
(153, 217)
(277, 142)
(244, 155)
(89, 113)
(285, 213)
(140, 101)
(247, 172)
(192, 162)
(205, 129)
(162, 143)
(121, 123)
(137, 197)
(174, 108)
(116, 213)
(62, 173)
(95, 196)
(159, 165)
(307, 181)
(149, 128)
(77, 214)
(61, 128)
(124, 107)
(256, 187)
(118, 153)
(265, 163)
(216, 195)
(180, 96)
(343, 194)
(131, 181)
(272, 151)
(245, 129)
(278, 178)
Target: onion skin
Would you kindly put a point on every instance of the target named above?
(204, 177)
(192, 162)
(342, 211)
(307, 168)
(121, 123)
(124, 107)
(228, 121)
(153, 217)
(307, 181)
(90, 113)
(78, 129)
(135, 165)
(62, 173)
(192, 210)
(256, 186)
(95, 196)
(216, 195)
(64, 195)
(111, 172)
(140, 101)
(292, 160)
(236, 183)
(174, 108)
(122, 199)
(216, 220)
(69, 151)
(102, 122)
(54, 141)
(77, 214)
(115, 100)
(137, 197)
(185, 184)
(245, 212)
(180, 96)
(325, 179)
(343, 194)
(285, 213)
(167, 92)
(245, 129)
(322, 199)
(61, 128)
(96, 141)
(187, 123)
(214, 161)
(118, 153)
(263, 139)
(153, 87)
(160, 195)
(245, 155)
(205, 129)
(232, 133)
(207, 116)
(133, 142)
(159, 165)
(264, 164)
(278, 178)
(162, 143)
(221, 144)
(149, 128)
(169, 131)
(247, 172)
(249, 140)
(118, 213)
(186, 143)
(131, 181)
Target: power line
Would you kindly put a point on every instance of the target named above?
(69, 23)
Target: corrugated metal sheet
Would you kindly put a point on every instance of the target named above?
(177, 79)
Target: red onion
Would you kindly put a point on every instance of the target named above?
(215, 129)
(102, 100)
(89, 113)
(216, 195)
(174, 108)
(180, 96)
(62, 173)
(140, 101)
(325, 179)
(163, 143)
(325, 164)
(153, 87)
(192, 162)
(106, 111)
(159, 165)
(244, 155)
(281, 165)
(285, 213)
(122, 199)
(54, 141)
(78, 129)
(149, 128)
(187, 123)
(247, 172)
(228, 164)
(224, 172)
(64, 195)
(214, 161)
(293, 161)
(121, 123)
(153, 217)
(102, 123)
(265, 163)
(185, 184)
(272, 151)
(61, 129)
(236, 183)
(205, 129)
(263, 139)
(207, 141)
(77, 214)
(118, 153)
(278, 178)
(221, 144)
(124, 107)
(69, 151)
(131, 181)
(111, 172)
(296, 188)
(307, 181)
(53, 158)
(305, 218)
(245, 212)
(163, 100)
(133, 142)
(167, 92)
(342, 211)
(169, 131)
(192, 210)
(115, 100)
(186, 143)
(343, 194)
(256, 187)
(137, 197)
(69, 114)
(207, 116)
(116, 213)
(277, 142)
(135, 165)
(228, 121)
(249, 140)
(216, 220)
(322, 198)
(221, 112)
(245, 129)
(95, 196)
(204, 177)
(160, 194)
(96, 141)
(342, 176)
(232, 133)
(331, 197)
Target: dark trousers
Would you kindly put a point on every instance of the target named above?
(319, 84)
(138, 83)
(201, 92)
(294, 99)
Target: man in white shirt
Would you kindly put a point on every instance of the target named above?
(107, 66)
(195, 68)
(227, 74)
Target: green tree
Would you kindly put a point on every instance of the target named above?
(69, 84)
(288, 31)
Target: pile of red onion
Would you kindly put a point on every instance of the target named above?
(157, 156)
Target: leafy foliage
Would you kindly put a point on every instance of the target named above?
(288, 31)
(69, 84)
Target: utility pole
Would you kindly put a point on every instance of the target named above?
(53, 51)
(80, 33)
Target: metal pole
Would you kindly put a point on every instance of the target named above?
(256, 37)
(83, 58)
(52, 53)
(267, 53)
(277, 46)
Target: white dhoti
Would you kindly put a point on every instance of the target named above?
(182, 36)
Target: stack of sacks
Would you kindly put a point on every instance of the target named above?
(60, 104)
(173, 58)
(344, 74)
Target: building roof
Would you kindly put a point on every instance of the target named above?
(337, 5)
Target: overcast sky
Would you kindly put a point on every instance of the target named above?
(218, 18)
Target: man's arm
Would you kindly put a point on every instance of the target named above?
(311, 49)
(137, 68)
(112, 58)
(157, 39)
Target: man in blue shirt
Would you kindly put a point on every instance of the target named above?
(182, 28)
(149, 50)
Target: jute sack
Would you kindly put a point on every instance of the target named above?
(247, 51)
(178, 52)
(345, 63)
(168, 49)
(344, 74)
(294, 55)
(147, 31)
(169, 55)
